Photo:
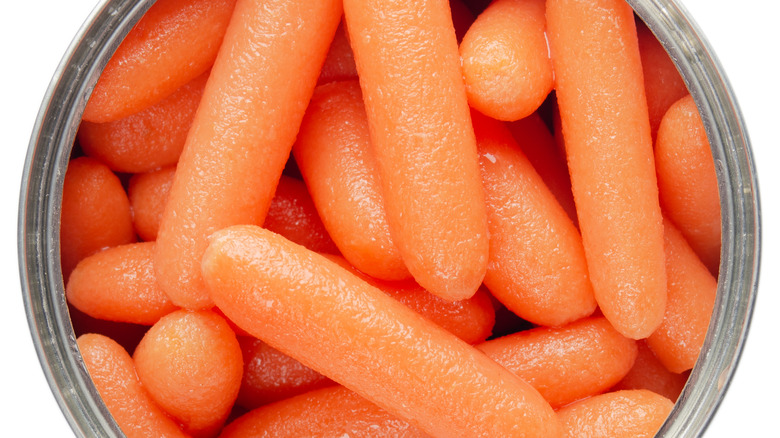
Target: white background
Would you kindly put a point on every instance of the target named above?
(35, 34)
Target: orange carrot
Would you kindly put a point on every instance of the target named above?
(601, 96)
(339, 63)
(687, 183)
(622, 414)
(148, 193)
(147, 140)
(692, 289)
(95, 212)
(242, 133)
(190, 362)
(420, 372)
(462, 18)
(118, 284)
(506, 62)
(649, 373)
(175, 42)
(332, 412)
(537, 265)
(113, 374)
(407, 59)
(270, 375)
(568, 363)
(333, 152)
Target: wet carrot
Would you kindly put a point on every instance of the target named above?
(569, 363)
(537, 265)
(148, 193)
(506, 62)
(407, 59)
(118, 284)
(420, 372)
(149, 139)
(113, 373)
(340, 62)
(334, 411)
(692, 289)
(600, 92)
(95, 212)
(462, 18)
(687, 182)
(242, 133)
(190, 362)
(622, 414)
(649, 373)
(175, 42)
(333, 152)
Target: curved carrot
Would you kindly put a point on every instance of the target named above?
(407, 59)
(537, 265)
(601, 96)
(242, 133)
(118, 284)
(190, 362)
(377, 347)
(506, 62)
(149, 139)
(687, 182)
(175, 42)
(95, 212)
(649, 373)
(339, 64)
(113, 374)
(333, 152)
(569, 363)
(148, 193)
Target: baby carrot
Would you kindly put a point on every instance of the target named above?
(113, 374)
(146, 140)
(506, 62)
(537, 265)
(339, 64)
(568, 363)
(148, 193)
(407, 60)
(623, 414)
(601, 97)
(687, 182)
(175, 42)
(327, 412)
(242, 133)
(95, 212)
(190, 362)
(418, 371)
(333, 152)
(118, 284)
(649, 373)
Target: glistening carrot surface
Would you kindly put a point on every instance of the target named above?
(506, 62)
(537, 265)
(333, 152)
(113, 374)
(175, 41)
(243, 132)
(419, 371)
(649, 373)
(600, 92)
(148, 194)
(407, 60)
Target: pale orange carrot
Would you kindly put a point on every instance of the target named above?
(649, 373)
(148, 193)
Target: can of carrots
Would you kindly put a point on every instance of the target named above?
(377, 218)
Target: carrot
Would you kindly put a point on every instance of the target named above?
(190, 362)
(333, 152)
(649, 373)
(601, 97)
(692, 289)
(622, 414)
(149, 139)
(407, 60)
(687, 182)
(242, 133)
(148, 193)
(506, 62)
(462, 18)
(420, 372)
(270, 375)
(175, 42)
(333, 412)
(340, 62)
(537, 265)
(95, 212)
(569, 363)
(113, 373)
(118, 284)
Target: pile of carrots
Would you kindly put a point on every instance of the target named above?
(381, 218)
